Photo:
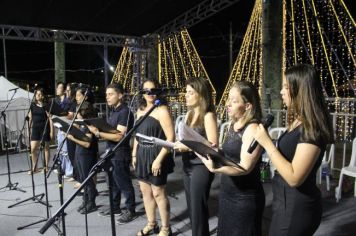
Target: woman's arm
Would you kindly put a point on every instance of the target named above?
(211, 128)
(167, 125)
(295, 172)
(51, 128)
(247, 160)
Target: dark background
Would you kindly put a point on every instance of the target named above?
(33, 62)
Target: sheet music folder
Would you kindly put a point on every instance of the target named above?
(77, 133)
(205, 150)
(99, 123)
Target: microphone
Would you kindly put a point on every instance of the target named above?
(14, 89)
(266, 123)
(161, 91)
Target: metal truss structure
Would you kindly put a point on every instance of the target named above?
(193, 16)
(67, 36)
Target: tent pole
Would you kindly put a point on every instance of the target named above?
(4, 50)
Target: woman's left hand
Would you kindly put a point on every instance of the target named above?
(261, 135)
(208, 162)
(156, 168)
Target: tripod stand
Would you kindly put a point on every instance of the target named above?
(104, 162)
(11, 186)
(41, 152)
(36, 198)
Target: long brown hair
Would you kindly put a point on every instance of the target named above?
(202, 87)
(308, 103)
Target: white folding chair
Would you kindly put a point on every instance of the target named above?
(328, 157)
(349, 170)
(274, 133)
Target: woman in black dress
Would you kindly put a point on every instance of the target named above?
(153, 163)
(241, 199)
(38, 117)
(86, 153)
(197, 179)
(296, 198)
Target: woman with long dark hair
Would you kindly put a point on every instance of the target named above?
(197, 178)
(153, 163)
(296, 205)
(38, 120)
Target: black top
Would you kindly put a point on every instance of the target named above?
(147, 153)
(72, 106)
(65, 104)
(287, 145)
(189, 158)
(249, 184)
(119, 116)
(39, 116)
(92, 150)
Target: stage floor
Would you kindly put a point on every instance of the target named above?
(338, 218)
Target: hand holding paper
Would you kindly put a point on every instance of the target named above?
(157, 141)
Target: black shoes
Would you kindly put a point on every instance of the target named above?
(126, 217)
(88, 208)
(105, 211)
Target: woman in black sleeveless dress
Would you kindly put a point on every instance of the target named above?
(241, 199)
(296, 198)
(153, 163)
(38, 117)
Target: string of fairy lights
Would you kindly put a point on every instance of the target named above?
(321, 32)
(177, 61)
(248, 65)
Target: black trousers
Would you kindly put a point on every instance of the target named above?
(85, 163)
(122, 183)
(197, 182)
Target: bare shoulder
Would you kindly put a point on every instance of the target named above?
(163, 109)
(250, 129)
(210, 115)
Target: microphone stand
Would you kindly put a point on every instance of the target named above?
(11, 186)
(42, 144)
(57, 163)
(36, 198)
(103, 163)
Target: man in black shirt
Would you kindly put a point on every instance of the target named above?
(122, 119)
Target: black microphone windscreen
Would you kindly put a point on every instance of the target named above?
(268, 120)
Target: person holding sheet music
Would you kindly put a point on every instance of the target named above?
(64, 104)
(197, 179)
(296, 205)
(121, 118)
(72, 104)
(241, 198)
(38, 117)
(86, 153)
(153, 163)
